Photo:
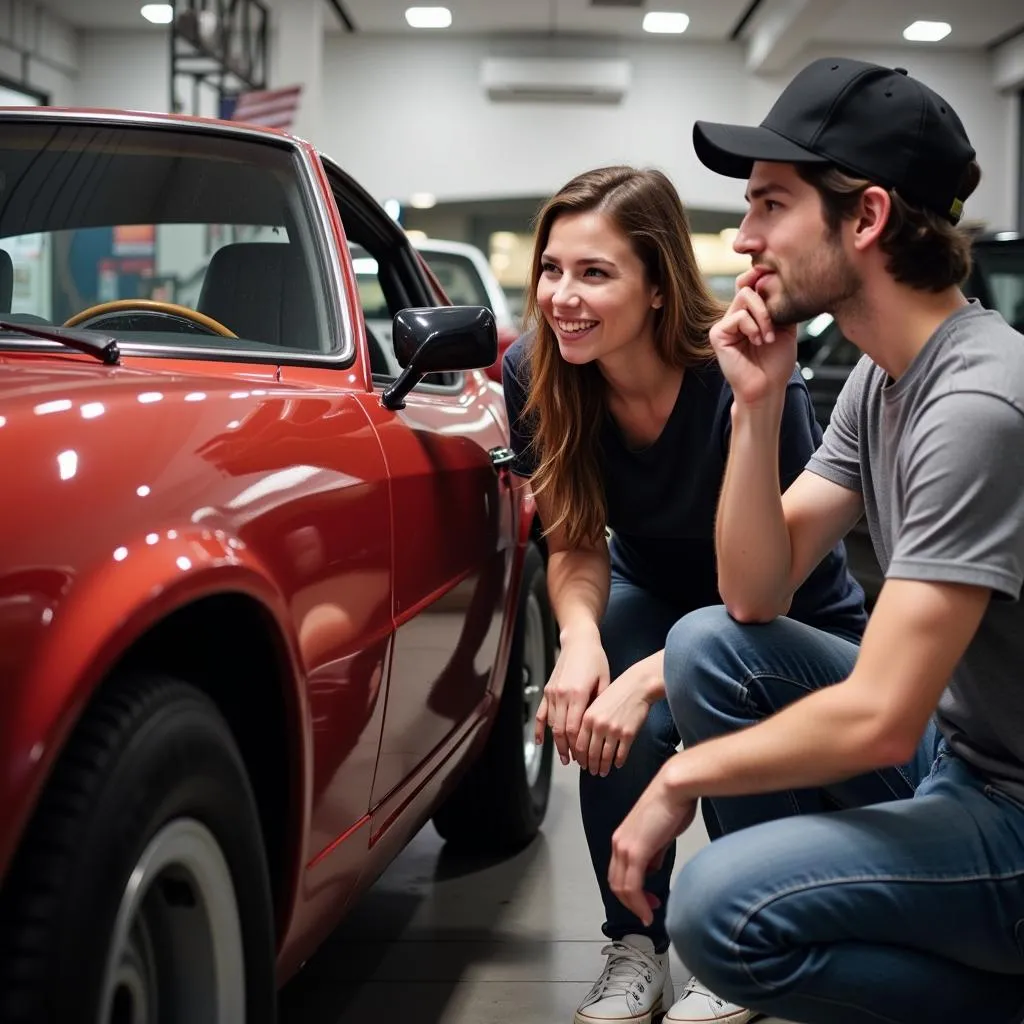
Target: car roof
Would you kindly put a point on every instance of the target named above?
(142, 118)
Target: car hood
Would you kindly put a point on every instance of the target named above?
(83, 443)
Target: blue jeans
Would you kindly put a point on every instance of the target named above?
(903, 906)
(635, 625)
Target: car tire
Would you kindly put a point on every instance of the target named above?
(500, 804)
(140, 890)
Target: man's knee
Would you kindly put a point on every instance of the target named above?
(710, 897)
(701, 668)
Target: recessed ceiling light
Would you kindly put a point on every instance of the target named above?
(927, 31)
(159, 14)
(428, 17)
(422, 200)
(666, 21)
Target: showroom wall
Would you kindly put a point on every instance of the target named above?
(125, 69)
(445, 137)
(54, 69)
(409, 115)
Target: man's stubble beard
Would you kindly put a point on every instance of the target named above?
(825, 283)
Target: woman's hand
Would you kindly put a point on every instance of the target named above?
(612, 722)
(756, 356)
(580, 674)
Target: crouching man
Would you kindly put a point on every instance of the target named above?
(910, 910)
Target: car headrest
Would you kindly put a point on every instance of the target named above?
(261, 291)
(6, 281)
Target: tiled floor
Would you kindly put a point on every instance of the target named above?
(440, 940)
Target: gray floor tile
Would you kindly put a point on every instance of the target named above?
(442, 939)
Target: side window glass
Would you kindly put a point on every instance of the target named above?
(458, 277)
(376, 313)
(379, 317)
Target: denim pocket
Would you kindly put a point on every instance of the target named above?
(995, 793)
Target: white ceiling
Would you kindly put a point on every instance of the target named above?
(974, 24)
(709, 19)
(846, 22)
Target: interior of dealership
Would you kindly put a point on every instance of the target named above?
(459, 121)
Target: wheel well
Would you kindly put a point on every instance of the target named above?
(224, 646)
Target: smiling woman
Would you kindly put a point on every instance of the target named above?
(614, 263)
(621, 420)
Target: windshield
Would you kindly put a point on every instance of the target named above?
(161, 237)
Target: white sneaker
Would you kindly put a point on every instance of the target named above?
(634, 985)
(699, 1005)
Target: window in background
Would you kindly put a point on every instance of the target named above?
(719, 262)
(509, 253)
(1003, 271)
(458, 277)
(1020, 161)
(14, 95)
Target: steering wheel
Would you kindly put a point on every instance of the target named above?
(89, 317)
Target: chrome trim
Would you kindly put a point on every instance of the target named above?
(337, 300)
(337, 309)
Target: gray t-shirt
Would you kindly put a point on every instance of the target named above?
(939, 459)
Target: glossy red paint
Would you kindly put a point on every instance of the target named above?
(380, 548)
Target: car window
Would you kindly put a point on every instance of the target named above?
(836, 350)
(163, 238)
(458, 277)
(378, 316)
(1003, 270)
(819, 343)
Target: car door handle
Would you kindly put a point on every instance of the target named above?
(501, 456)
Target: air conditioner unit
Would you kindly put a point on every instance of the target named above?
(555, 79)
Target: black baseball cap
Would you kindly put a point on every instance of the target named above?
(874, 122)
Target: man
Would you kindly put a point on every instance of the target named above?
(911, 910)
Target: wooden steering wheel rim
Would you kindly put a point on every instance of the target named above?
(171, 308)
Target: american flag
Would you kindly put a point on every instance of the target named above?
(275, 108)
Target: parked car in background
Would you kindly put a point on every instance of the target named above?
(463, 273)
(269, 597)
(827, 358)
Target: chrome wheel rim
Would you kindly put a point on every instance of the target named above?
(534, 677)
(176, 954)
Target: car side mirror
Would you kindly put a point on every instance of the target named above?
(439, 339)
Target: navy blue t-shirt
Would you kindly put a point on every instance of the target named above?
(662, 499)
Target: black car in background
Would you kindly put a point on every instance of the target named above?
(826, 359)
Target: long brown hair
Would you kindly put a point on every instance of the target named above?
(565, 403)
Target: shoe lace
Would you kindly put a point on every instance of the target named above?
(695, 986)
(625, 965)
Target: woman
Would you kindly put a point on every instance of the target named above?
(620, 419)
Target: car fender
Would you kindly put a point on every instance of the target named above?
(96, 622)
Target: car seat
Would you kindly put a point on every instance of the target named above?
(261, 291)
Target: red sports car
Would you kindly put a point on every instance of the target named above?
(267, 603)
